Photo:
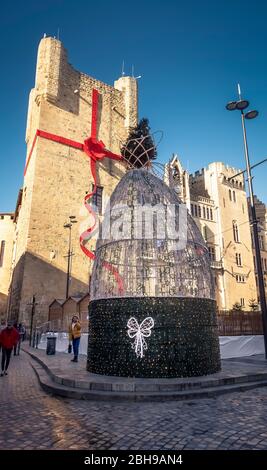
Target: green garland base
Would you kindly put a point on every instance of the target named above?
(183, 341)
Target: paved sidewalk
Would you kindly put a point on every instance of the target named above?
(31, 419)
(60, 376)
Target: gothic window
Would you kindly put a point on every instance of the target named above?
(208, 213)
(2, 251)
(238, 259)
(234, 196)
(199, 211)
(205, 232)
(242, 302)
(211, 252)
(230, 194)
(204, 212)
(211, 214)
(97, 199)
(235, 232)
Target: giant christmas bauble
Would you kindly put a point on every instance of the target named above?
(152, 311)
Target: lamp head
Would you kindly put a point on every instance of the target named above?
(251, 114)
(242, 104)
(231, 106)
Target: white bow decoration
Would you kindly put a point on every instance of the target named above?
(139, 332)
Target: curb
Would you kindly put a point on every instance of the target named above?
(53, 385)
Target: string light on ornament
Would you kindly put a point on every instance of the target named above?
(139, 332)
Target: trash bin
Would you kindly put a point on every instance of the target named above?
(51, 345)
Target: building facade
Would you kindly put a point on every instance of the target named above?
(6, 248)
(217, 200)
(261, 213)
(58, 176)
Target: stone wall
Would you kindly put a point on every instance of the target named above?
(6, 249)
(59, 176)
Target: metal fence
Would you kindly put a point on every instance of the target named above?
(234, 323)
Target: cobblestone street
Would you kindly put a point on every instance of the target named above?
(31, 419)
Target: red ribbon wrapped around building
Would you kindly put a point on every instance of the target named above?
(96, 151)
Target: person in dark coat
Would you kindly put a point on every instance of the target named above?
(2, 327)
(21, 331)
(9, 337)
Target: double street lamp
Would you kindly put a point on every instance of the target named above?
(241, 105)
(72, 220)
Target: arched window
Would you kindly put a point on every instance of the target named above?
(205, 232)
(230, 194)
(97, 198)
(2, 251)
(234, 196)
(235, 231)
(238, 259)
(211, 214)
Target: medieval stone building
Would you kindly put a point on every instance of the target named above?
(58, 176)
(216, 199)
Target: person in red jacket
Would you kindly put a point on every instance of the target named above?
(8, 339)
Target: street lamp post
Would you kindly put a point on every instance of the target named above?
(241, 105)
(33, 304)
(68, 225)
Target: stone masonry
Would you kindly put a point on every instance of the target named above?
(59, 176)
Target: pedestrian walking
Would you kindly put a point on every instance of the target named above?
(75, 336)
(2, 327)
(8, 339)
(21, 331)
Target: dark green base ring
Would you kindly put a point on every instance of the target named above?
(183, 342)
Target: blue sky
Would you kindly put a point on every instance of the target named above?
(191, 54)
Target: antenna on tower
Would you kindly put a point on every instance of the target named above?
(139, 76)
(122, 69)
(58, 33)
(44, 35)
(239, 91)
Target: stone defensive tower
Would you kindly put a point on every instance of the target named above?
(57, 176)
